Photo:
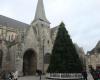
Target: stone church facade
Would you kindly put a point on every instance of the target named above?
(25, 47)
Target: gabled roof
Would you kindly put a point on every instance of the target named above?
(5, 21)
(96, 49)
(98, 44)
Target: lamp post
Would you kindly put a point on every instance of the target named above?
(43, 55)
(43, 39)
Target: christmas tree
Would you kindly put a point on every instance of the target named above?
(64, 58)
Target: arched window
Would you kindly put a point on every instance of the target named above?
(48, 41)
(12, 37)
(9, 38)
(47, 58)
(22, 36)
(42, 25)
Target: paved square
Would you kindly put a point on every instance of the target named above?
(43, 78)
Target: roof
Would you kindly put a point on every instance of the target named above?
(98, 44)
(96, 49)
(54, 29)
(5, 21)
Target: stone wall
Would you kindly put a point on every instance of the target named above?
(93, 60)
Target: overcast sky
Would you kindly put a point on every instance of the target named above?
(82, 17)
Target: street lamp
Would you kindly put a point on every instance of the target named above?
(43, 55)
(43, 39)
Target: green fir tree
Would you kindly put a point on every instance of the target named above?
(64, 58)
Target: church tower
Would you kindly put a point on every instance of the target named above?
(31, 46)
(40, 15)
(41, 28)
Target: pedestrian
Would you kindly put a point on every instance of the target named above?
(15, 75)
(84, 73)
(11, 76)
(39, 72)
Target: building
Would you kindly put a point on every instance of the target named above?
(26, 47)
(93, 56)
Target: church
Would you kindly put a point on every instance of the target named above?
(26, 47)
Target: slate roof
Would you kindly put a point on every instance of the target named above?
(54, 29)
(5, 21)
(96, 49)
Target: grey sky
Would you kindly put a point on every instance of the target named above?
(82, 17)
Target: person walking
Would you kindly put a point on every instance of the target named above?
(11, 77)
(84, 73)
(15, 75)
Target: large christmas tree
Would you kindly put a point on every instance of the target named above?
(64, 58)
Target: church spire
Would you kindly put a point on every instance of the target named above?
(40, 12)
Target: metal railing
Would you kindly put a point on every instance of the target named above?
(64, 75)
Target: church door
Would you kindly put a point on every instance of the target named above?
(29, 63)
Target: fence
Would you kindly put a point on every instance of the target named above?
(64, 75)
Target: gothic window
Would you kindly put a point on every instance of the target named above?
(48, 41)
(9, 37)
(12, 37)
(22, 36)
(35, 30)
(47, 58)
